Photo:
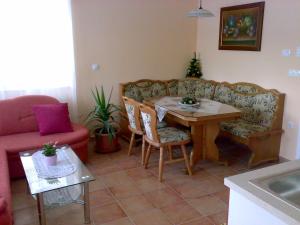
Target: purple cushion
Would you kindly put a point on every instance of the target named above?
(52, 118)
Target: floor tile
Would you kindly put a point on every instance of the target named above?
(135, 205)
(201, 221)
(117, 178)
(180, 212)
(223, 195)
(219, 218)
(57, 216)
(107, 213)
(19, 186)
(163, 197)
(26, 216)
(23, 200)
(199, 189)
(125, 191)
(149, 184)
(138, 173)
(97, 184)
(208, 205)
(123, 221)
(151, 217)
(100, 197)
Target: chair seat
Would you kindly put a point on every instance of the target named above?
(172, 134)
(161, 124)
(242, 128)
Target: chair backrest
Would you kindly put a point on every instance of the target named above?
(133, 113)
(149, 117)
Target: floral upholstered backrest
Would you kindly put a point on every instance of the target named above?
(247, 88)
(133, 113)
(223, 93)
(197, 88)
(144, 89)
(186, 88)
(150, 122)
(147, 124)
(259, 107)
(205, 88)
(130, 114)
(172, 87)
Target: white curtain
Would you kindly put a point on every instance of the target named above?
(36, 50)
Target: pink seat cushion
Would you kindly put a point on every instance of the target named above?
(3, 205)
(32, 140)
(52, 118)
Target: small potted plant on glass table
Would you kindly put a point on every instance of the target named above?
(49, 152)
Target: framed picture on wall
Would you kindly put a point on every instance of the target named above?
(241, 27)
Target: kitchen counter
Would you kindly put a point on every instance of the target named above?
(279, 210)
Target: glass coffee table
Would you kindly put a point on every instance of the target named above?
(43, 188)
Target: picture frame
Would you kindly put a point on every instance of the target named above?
(241, 27)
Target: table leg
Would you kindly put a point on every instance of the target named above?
(41, 211)
(86, 197)
(211, 131)
(197, 138)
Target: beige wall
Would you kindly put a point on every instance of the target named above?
(130, 40)
(267, 67)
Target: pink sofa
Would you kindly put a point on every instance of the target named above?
(19, 132)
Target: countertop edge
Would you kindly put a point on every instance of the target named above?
(278, 208)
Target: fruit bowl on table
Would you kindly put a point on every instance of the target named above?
(188, 101)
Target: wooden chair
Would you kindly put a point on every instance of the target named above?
(162, 138)
(135, 124)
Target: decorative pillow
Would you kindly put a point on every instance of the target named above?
(52, 118)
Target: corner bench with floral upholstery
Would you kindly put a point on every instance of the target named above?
(260, 126)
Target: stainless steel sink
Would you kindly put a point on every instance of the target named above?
(284, 186)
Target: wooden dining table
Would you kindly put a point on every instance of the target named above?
(203, 119)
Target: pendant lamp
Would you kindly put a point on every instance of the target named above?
(200, 12)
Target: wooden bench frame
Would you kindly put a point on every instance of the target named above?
(265, 146)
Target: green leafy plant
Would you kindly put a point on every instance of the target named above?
(103, 115)
(194, 68)
(188, 100)
(49, 149)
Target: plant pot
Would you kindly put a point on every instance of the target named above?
(105, 145)
(50, 160)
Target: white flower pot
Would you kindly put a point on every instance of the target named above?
(50, 160)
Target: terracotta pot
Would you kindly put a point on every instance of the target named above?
(105, 145)
(50, 160)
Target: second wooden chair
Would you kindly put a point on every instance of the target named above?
(162, 138)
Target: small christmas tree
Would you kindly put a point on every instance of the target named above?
(194, 69)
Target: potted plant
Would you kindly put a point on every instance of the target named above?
(103, 117)
(49, 151)
(194, 69)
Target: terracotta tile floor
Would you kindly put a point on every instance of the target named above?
(124, 193)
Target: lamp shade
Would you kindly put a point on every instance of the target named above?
(200, 13)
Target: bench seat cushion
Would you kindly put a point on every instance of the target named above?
(242, 128)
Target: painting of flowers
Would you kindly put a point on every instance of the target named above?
(241, 27)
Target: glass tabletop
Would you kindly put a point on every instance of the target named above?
(40, 185)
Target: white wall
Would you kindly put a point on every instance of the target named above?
(267, 67)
